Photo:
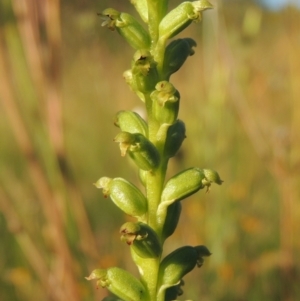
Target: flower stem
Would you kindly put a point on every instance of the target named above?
(156, 11)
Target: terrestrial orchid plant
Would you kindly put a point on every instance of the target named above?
(150, 144)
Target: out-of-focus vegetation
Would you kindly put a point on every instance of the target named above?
(60, 86)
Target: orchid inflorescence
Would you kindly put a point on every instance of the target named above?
(150, 144)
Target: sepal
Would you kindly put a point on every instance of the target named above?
(131, 81)
(176, 54)
(172, 219)
(202, 251)
(128, 27)
(142, 239)
(144, 72)
(120, 282)
(131, 122)
(124, 194)
(127, 142)
(175, 137)
(211, 176)
(165, 102)
(140, 149)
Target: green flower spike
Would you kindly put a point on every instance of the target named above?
(142, 239)
(140, 149)
(150, 145)
(127, 26)
(165, 102)
(181, 17)
(120, 282)
(125, 195)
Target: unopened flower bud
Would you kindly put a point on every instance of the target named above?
(176, 54)
(142, 239)
(188, 182)
(177, 264)
(181, 17)
(120, 282)
(175, 137)
(165, 102)
(127, 26)
(183, 185)
(131, 122)
(124, 194)
(140, 149)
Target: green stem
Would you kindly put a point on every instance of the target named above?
(154, 186)
(156, 11)
(159, 54)
(150, 267)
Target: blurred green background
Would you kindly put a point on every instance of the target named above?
(60, 87)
